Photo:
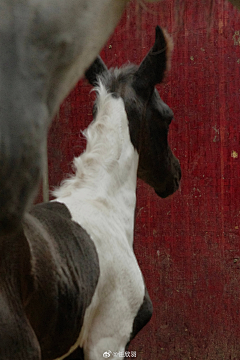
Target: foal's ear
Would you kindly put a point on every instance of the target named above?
(95, 70)
(153, 67)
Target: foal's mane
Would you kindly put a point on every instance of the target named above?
(107, 88)
(94, 134)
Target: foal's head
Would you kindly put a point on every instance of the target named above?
(149, 117)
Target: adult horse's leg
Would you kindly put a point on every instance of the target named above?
(23, 128)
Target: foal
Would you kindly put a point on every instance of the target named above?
(70, 281)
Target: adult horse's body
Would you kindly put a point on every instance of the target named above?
(46, 45)
(45, 48)
(69, 279)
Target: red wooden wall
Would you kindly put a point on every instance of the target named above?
(188, 246)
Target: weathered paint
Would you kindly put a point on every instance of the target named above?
(188, 245)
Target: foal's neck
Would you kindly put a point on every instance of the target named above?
(106, 173)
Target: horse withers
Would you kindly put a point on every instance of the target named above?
(70, 284)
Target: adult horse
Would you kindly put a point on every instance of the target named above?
(46, 45)
(70, 279)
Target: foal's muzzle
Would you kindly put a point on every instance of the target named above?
(172, 182)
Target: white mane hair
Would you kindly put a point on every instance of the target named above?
(102, 146)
